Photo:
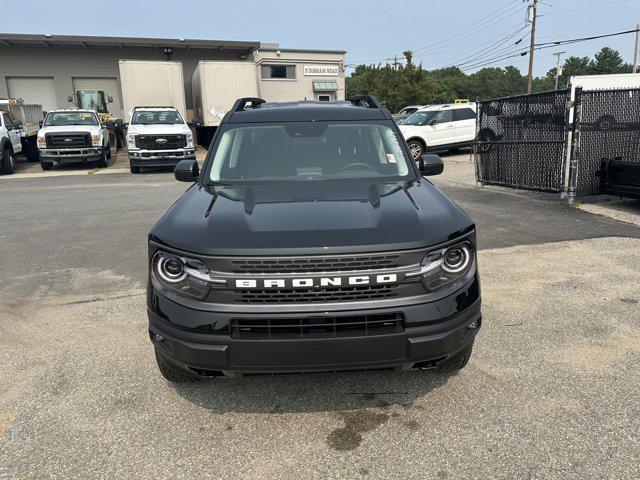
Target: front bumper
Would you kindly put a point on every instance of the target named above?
(86, 154)
(160, 158)
(434, 331)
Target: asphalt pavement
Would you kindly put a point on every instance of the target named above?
(551, 390)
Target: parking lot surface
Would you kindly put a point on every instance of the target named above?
(551, 390)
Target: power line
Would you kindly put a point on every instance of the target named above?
(583, 39)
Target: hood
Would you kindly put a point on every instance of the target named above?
(407, 130)
(158, 129)
(93, 129)
(310, 218)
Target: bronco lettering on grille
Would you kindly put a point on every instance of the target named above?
(311, 282)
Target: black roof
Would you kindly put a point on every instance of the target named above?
(37, 40)
(306, 111)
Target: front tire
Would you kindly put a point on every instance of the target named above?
(172, 375)
(7, 162)
(103, 160)
(457, 361)
(416, 148)
(46, 165)
(134, 169)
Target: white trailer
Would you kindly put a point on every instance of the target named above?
(152, 84)
(216, 85)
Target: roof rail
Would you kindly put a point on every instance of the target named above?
(369, 101)
(239, 105)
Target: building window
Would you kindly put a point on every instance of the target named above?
(278, 71)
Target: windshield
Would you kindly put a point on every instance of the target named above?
(58, 119)
(154, 117)
(92, 100)
(308, 151)
(419, 118)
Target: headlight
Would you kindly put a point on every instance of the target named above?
(96, 140)
(444, 266)
(131, 141)
(183, 275)
(42, 142)
(189, 140)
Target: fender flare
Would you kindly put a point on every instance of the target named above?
(418, 139)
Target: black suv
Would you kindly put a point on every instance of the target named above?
(311, 242)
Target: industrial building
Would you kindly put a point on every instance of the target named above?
(46, 69)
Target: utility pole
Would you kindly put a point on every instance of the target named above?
(395, 63)
(532, 16)
(635, 51)
(558, 68)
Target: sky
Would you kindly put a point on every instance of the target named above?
(440, 32)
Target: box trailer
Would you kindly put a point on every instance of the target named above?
(216, 85)
(152, 83)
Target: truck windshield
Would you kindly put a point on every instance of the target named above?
(309, 151)
(92, 100)
(58, 119)
(155, 117)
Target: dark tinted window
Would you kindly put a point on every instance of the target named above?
(154, 117)
(464, 114)
(278, 71)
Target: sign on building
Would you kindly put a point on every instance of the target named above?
(321, 70)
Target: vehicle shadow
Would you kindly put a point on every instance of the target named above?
(312, 392)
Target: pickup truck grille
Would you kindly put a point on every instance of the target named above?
(316, 327)
(68, 140)
(161, 142)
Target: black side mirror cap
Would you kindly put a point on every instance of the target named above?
(187, 171)
(430, 164)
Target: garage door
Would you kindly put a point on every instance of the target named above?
(107, 85)
(39, 90)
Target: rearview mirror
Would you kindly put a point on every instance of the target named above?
(187, 171)
(430, 164)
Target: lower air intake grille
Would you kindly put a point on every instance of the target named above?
(316, 327)
(345, 294)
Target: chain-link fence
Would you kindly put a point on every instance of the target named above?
(607, 126)
(521, 141)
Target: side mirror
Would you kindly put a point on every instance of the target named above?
(69, 98)
(17, 125)
(430, 164)
(433, 121)
(186, 171)
(109, 99)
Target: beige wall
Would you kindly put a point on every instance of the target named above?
(282, 90)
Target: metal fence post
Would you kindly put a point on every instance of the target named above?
(575, 144)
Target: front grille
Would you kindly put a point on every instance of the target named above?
(314, 266)
(317, 295)
(321, 264)
(68, 140)
(161, 142)
(316, 327)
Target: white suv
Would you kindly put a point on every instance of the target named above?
(440, 127)
(10, 143)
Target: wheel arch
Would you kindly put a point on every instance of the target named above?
(5, 143)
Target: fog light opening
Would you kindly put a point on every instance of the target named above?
(473, 325)
(156, 337)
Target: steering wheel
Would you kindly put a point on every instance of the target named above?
(357, 165)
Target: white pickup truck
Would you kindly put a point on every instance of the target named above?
(158, 136)
(73, 135)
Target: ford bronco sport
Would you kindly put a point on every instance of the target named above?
(310, 241)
